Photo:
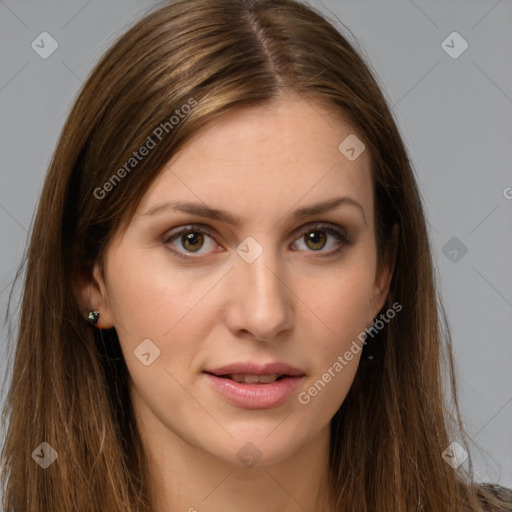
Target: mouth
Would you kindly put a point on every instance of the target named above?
(252, 373)
(247, 378)
(249, 386)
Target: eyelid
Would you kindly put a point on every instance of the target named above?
(309, 226)
(202, 228)
(174, 233)
(332, 229)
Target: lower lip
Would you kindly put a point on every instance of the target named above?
(255, 396)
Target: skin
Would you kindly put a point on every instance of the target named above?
(259, 163)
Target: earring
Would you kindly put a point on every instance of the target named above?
(93, 317)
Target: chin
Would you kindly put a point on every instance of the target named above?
(258, 446)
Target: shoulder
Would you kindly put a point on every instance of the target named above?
(503, 494)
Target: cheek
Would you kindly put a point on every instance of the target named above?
(149, 299)
(342, 304)
(153, 309)
(342, 301)
(147, 296)
(142, 299)
(343, 309)
(340, 308)
(348, 304)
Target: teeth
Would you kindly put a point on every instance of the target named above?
(253, 379)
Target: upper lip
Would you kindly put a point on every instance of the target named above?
(251, 368)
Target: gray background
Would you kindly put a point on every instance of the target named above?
(455, 115)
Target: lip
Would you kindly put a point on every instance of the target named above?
(255, 396)
(257, 369)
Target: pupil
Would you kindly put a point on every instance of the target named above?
(192, 239)
(315, 238)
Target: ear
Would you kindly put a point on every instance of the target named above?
(91, 292)
(385, 272)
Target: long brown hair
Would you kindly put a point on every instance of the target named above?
(69, 380)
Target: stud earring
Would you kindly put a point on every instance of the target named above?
(93, 317)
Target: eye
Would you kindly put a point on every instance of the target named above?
(193, 238)
(316, 238)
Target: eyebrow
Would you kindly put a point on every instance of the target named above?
(203, 210)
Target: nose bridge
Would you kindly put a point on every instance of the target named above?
(262, 300)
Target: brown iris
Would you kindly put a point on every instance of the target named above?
(192, 238)
(317, 238)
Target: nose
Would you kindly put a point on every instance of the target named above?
(260, 301)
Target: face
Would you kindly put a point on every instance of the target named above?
(265, 287)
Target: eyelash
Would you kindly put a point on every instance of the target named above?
(340, 235)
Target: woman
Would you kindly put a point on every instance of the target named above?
(222, 284)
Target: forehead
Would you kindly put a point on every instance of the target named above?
(264, 160)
